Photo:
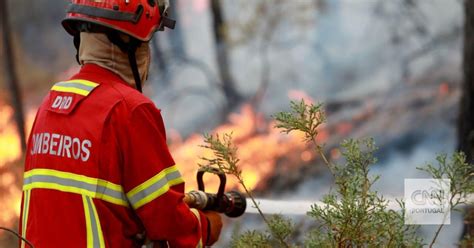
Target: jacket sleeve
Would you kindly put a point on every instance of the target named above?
(153, 183)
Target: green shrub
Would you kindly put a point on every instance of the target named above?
(351, 215)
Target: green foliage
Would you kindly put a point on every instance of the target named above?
(225, 159)
(306, 118)
(352, 215)
(279, 227)
(225, 154)
(459, 172)
(303, 117)
(255, 239)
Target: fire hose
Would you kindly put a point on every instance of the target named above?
(18, 236)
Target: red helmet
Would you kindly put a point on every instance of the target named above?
(137, 18)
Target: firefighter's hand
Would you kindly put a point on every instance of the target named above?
(214, 221)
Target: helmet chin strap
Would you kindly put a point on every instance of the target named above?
(133, 64)
(130, 49)
(77, 43)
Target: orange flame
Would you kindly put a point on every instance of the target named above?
(11, 199)
(259, 151)
(298, 95)
(10, 151)
(443, 89)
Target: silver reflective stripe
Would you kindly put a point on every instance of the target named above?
(75, 85)
(95, 238)
(26, 208)
(71, 185)
(95, 232)
(162, 185)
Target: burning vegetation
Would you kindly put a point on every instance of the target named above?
(10, 166)
(262, 149)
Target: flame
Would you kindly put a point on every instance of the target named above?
(10, 148)
(299, 94)
(259, 151)
(306, 156)
(11, 199)
(335, 154)
(344, 128)
(443, 89)
(10, 152)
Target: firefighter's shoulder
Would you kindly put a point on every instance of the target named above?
(128, 95)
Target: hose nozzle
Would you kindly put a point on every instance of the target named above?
(232, 203)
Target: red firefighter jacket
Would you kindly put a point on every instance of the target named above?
(98, 171)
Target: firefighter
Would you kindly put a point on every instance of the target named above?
(98, 172)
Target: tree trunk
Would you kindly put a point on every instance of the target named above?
(219, 28)
(10, 73)
(466, 117)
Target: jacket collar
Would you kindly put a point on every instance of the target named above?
(98, 74)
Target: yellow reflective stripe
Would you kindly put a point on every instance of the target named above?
(68, 175)
(152, 180)
(154, 187)
(25, 211)
(98, 226)
(71, 90)
(95, 237)
(83, 82)
(198, 216)
(74, 183)
(90, 240)
(75, 190)
(78, 86)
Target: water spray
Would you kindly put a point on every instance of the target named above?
(280, 207)
(300, 207)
